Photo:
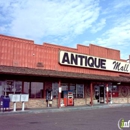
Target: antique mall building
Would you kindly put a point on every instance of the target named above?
(85, 75)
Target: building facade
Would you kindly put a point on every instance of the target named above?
(92, 74)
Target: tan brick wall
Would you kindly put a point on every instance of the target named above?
(79, 102)
(34, 103)
(41, 103)
(88, 100)
(115, 100)
(121, 100)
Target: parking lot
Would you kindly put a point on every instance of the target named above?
(96, 119)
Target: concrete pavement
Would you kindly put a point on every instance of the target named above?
(78, 118)
(63, 109)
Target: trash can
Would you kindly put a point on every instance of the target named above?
(5, 102)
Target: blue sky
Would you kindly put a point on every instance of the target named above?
(69, 22)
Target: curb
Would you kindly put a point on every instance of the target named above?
(66, 109)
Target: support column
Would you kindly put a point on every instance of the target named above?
(22, 86)
(107, 92)
(59, 94)
(85, 93)
(91, 93)
(44, 90)
(29, 89)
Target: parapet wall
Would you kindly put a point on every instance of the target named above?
(24, 53)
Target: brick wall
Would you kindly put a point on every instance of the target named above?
(121, 100)
(34, 103)
(79, 102)
(41, 103)
(24, 53)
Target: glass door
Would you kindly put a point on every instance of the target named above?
(96, 93)
(110, 93)
(102, 94)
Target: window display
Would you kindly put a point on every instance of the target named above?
(72, 87)
(114, 88)
(115, 92)
(64, 86)
(35, 90)
(55, 90)
(11, 86)
(96, 93)
(18, 86)
(79, 91)
(26, 87)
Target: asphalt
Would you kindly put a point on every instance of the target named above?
(62, 109)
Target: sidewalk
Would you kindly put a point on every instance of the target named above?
(64, 109)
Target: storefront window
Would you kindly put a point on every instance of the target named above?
(96, 92)
(114, 88)
(18, 86)
(26, 87)
(64, 86)
(9, 87)
(73, 88)
(110, 87)
(35, 90)
(55, 90)
(12, 87)
(79, 90)
(115, 92)
(1, 88)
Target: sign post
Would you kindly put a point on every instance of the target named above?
(107, 89)
(14, 98)
(59, 95)
(23, 99)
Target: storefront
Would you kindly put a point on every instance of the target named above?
(86, 75)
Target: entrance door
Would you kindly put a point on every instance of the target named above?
(102, 94)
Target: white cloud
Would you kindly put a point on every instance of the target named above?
(36, 19)
(123, 3)
(117, 37)
(99, 26)
(120, 33)
(67, 22)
